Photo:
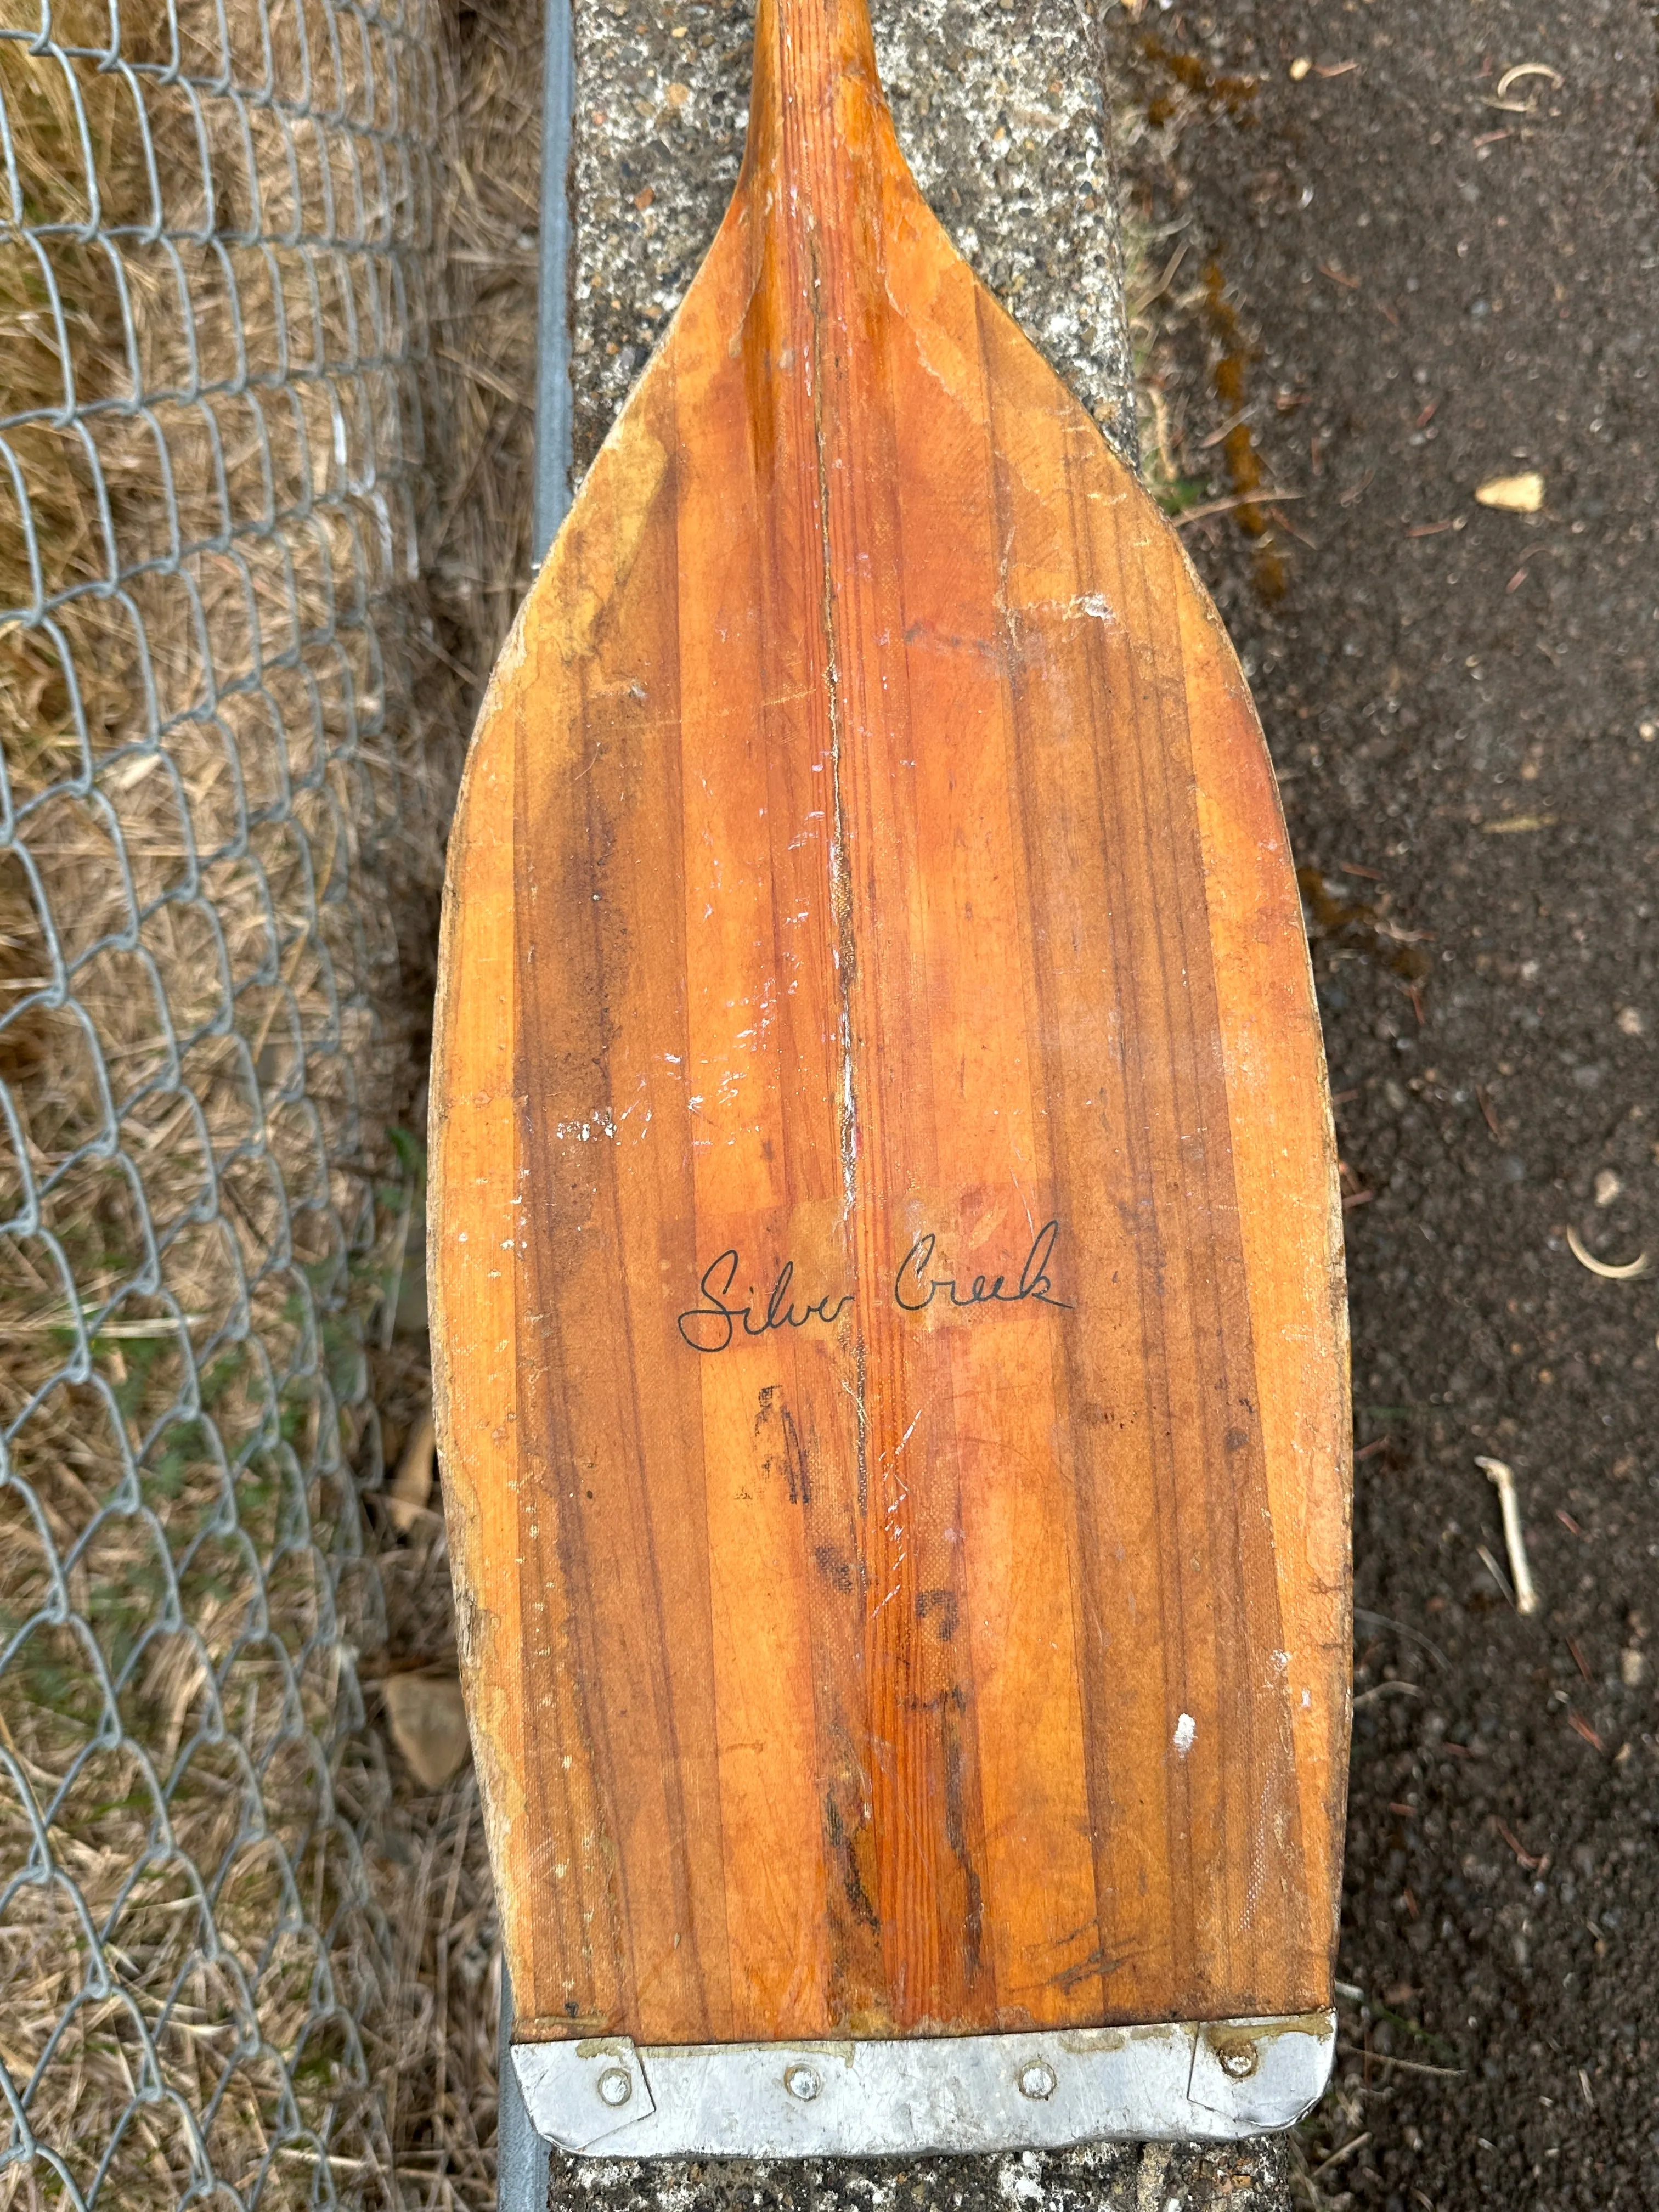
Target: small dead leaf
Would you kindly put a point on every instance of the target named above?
(429, 1725)
(412, 1486)
(1522, 495)
(1512, 824)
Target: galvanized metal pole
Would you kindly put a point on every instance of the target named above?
(522, 2154)
(552, 487)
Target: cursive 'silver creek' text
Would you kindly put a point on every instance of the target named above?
(718, 1319)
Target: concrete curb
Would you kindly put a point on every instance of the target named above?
(1001, 108)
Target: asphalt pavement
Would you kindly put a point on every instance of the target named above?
(1414, 253)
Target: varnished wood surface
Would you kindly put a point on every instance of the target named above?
(892, 1390)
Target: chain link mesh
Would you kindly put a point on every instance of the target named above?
(227, 758)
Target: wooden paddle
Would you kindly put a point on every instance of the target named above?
(886, 1251)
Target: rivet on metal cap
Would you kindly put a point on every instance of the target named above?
(1238, 2060)
(1037, 2081)
(616, 2085)
(802, 2081)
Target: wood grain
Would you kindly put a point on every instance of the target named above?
(887, 1277)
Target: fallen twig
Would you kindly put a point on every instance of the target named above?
(1388, 1620)
(1337, 2156)
(1512, 77)
(1495, 1571)
(1162, 283)
(1526, 1594)
(1627, 1274)
(1533, 1865)
(1381, 1690)
(1227, 506)
(1300, 536)
(1405, 2065)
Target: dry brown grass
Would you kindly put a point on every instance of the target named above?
(260, 526)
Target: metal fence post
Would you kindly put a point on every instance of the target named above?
(552, 493)
(521, 2156)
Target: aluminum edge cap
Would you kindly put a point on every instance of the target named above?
(1184, 2080)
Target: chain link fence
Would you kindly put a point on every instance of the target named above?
(228, 735)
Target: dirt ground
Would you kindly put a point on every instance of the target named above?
(1405, 269)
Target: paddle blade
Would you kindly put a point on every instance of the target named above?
(886, 1256)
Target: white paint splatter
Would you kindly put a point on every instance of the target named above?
(1185, 1729)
